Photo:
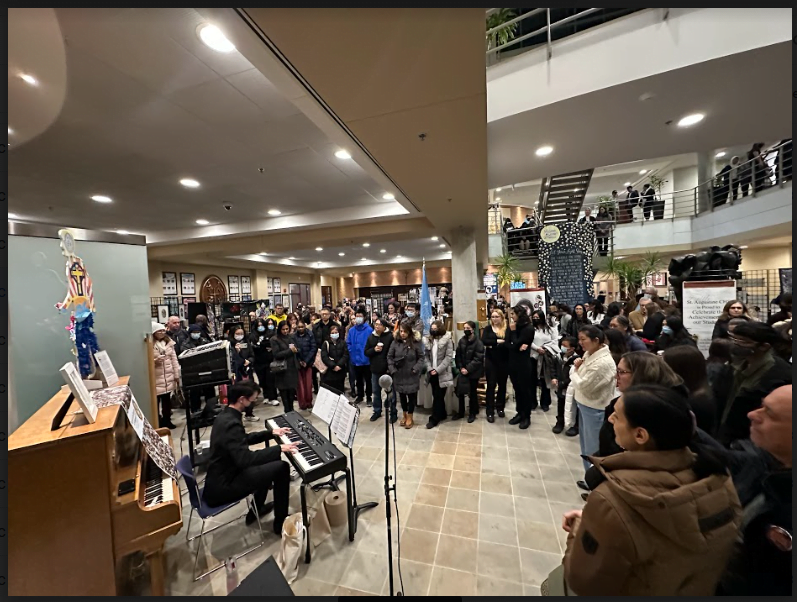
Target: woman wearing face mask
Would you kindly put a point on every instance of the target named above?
(578, 319)
(470, 366)
(732, 310)
(569, 355)
(439, 350)
(673, 333)
(377, 346)
(496, 363)
(404, 364)
(167, 373)
(335, 356)
(523, 377)
(663, 516)
(260, 344)
(544, 348)
(242, 362)
(284, 348)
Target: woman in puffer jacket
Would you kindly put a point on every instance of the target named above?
(167, 373)
(439, 352)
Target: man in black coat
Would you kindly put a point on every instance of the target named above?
(376, 347)
(470, 365)
(235, 471)
(761, 468)
(757, 372)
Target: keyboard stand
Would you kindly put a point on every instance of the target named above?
(349, 514)
(333, 481)
(354, 508)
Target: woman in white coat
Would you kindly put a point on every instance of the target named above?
(167, 373)
(439, 350)
(593, 377)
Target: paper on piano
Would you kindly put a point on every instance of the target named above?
(79, 390)
(136, 417)
(343, 424)
(109, 374)
(325, 405)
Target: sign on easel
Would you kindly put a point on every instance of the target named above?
(703, 303)
(109, 375)
(79, 390)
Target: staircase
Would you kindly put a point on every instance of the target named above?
(562, 196)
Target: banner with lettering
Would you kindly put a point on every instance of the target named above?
(565, 257)
(702, 305)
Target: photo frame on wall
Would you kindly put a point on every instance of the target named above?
(184, 307)
(246, 285)
(233, 285)
(169, 280)
(657, 279)
(187, 283)
(163, 314)
(270, 286)
(277, 286)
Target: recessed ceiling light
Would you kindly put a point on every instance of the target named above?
(274, 212)
(189, 183)
(202, 222)
(101, 198)
(499, 189)
(366, 244)
(383, 250)
(263, 253)
(29, 79)
(10, 131)
(13, 216)
(498, 198)
(691, 120)
(627, 184)
(642, 172)
(388, 196)
(123, 232)
(544, 151)
(720, 154)
(215, 39)
(291, 258)
(399, 256)
(341, 254)
(743, 247)
(364, 259)
(435, 238)
(342, 154)
(319, 248)
(442, 246)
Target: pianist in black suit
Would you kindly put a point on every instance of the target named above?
(236, 471)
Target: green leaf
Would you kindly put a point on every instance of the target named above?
(508, 270)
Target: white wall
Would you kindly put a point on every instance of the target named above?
(637, 46)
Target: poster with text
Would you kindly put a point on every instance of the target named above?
(702, 305)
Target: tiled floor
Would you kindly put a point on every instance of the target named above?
(480, 507)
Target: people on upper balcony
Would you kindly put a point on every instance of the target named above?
(603, 227)
(588, 217)
(783, 162)
(631, 199)
(648, 200)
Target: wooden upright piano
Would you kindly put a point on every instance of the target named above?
(70, 530)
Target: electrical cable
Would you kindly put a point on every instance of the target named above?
(398, 517)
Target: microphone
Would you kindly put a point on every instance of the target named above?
(386, 382)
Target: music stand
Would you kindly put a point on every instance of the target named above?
(356, 508)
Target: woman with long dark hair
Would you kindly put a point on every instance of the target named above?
(733, 310)
(260, 344)
(287, 380)
(623, 325)
(673, 334)
(494, 337)
(335, 355)
(615, 309)
(578, 319)
(665, 490)
(595, 311)
(404, 363)
(521, 373)
(543, 348)
(616, 343)
(688, 363)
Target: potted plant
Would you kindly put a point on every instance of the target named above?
(503, 35)
(633, 275)
(507, 271)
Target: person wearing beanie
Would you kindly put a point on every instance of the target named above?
(167, 373)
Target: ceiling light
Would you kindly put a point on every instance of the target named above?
(215, 39)
(341, 254)
(383, 250)
(442, 246)
(743, 247)
(642, 172)
(100, 198)
(719, 155)
(202, 222)
(435, 238)
(388, 196)
(10, 131)
(627, 184)
(399, 256)
(274, 212)
(189, 183)
(29, 79)
(498, 198)
(13, 216)
(544, 151)
(342, 154)
(366, 244)
(319, 248)
(498, 189)
(691, 120)
(291, 258)
(263, 253)
(364, 259)
(123, 232)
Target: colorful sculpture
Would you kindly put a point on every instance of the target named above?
(80, 298)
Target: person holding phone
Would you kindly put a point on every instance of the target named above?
(521, 373)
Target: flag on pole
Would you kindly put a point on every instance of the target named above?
(426, 303)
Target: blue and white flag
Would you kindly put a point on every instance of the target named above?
(426, 303)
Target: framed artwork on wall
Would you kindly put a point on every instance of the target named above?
(233, 285)
(246, 285)
(163, 314)
(169, 283)
(187, 283)
(270, 286)
(277, 286)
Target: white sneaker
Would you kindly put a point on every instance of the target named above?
(273, 402)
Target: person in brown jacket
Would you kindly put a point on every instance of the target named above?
(662, 516)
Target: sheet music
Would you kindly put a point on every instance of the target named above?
(325, 405)
(344, 420)
(136, 418)
(108, 371)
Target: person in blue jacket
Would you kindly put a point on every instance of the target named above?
(355, 340)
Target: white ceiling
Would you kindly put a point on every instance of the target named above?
(147, 104)
(746, 97)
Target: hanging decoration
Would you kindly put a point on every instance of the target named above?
(565, 266)
(80, 300)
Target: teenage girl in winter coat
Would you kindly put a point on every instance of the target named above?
(167, 373)
(439, 351)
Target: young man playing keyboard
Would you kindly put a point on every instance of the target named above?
(235, 471)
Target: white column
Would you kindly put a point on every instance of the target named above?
(464, 276)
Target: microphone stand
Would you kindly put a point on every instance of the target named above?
(388, 488)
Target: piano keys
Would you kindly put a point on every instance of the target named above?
(68, 519)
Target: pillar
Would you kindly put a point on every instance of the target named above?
(464, 276)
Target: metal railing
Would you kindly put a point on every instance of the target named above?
(549, 33)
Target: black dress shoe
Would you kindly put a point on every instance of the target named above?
(261, 512)
(375, 416)
(558, 427)
(572, 431)
(525, 423)
(546, 408)
(431, 424)
(582, 485)
(456, 416)
(501, 414)
(584, 496)
(490, 418)
(516, 419)
(393, 418)
(471, 418)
